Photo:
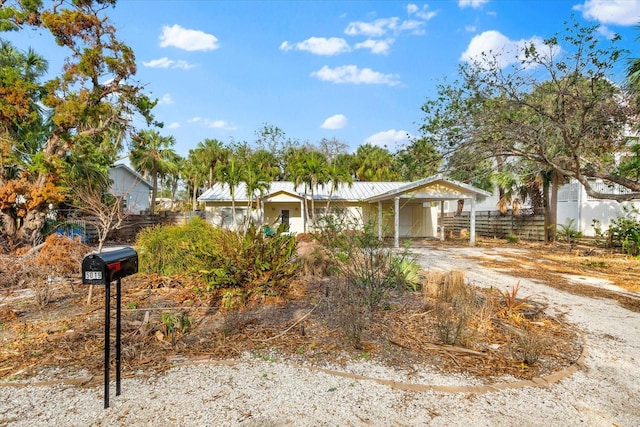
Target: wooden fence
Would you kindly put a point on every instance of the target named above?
(133, 224)
(494, 224)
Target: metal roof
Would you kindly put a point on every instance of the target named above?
(358, 191)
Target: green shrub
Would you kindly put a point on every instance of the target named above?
(220, 258)
(360, 258)
(568, 231)
(624, 231)
(512, 238)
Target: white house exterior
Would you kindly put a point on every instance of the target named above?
(574, 204)
(132, 187)
(400, 209)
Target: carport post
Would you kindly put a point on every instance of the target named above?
(396, 208)
(472, 223)
(442, 220)
(380, 220)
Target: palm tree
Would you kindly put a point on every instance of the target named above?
(374, 163)
(311, 169)
(257, 178)
(175, 163)
(212, 153)
(193, 172)
(338, 174)
(151, 154)
(231, 174)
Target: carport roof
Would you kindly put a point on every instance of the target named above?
(435, 187)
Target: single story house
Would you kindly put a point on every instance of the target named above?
(131, 187)
(400, 209)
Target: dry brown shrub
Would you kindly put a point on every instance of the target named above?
(304, 237)
(316, 263)
(444, 287)
(431, 285)
(527, 346)
(61, 255)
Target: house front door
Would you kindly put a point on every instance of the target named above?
(284, 215)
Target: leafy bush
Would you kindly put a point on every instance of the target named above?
(624, 231)
(512, 238)
(568, 231)
(360, 258)
(220, 258)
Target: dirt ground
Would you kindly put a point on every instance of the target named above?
(64, 338)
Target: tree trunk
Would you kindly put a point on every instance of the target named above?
(9, 228)
(194, 202)
(460, 207)
(553, 217)
(547, 211)
(31, 229)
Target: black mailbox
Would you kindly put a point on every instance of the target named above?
(105, 267)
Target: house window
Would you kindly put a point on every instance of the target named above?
(226, 216)
(569, 192)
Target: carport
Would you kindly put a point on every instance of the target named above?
(427, 191)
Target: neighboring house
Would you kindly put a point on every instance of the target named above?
(574, 204)
(400, 209)
(132, 187)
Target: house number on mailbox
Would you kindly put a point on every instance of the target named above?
(93, 275)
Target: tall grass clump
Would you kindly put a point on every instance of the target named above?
(220, 258)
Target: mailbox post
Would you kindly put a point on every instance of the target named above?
(102, 269)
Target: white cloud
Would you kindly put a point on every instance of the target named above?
(606, 32)
(165, 62)
(173, 125)
(352, 74)
(194, 120)
(337, 121)
(165, 100)
(472, 3)
(186, 39)
(220, 124)
(616, 12)
(470, 28)
(319, 45)
(424, 13)
(377, 28)
(497, 47)
(392, 139)
(379, 47)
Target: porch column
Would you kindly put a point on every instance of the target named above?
(442, 220)
(261, 212)
(396, 222)
(380, 220)
(472, 222)
(303, 212)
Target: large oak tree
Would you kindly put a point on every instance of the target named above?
(89, 103)
(558, 107)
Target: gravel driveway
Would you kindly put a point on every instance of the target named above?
(258, 392)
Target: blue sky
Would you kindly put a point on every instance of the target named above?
(356, 71)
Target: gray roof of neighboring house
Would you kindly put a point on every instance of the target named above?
(365, 191)
(132, 172)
